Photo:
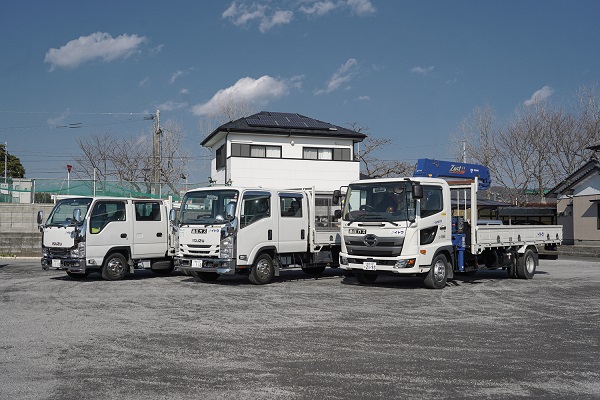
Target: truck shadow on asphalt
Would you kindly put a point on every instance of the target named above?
(95, 276)
(289, 275)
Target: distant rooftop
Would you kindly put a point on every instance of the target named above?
(279, 123)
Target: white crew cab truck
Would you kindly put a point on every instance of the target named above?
(420, 226)
(255, 232)
(109, 235)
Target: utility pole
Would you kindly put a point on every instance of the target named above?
(5, 162)
(156, 151)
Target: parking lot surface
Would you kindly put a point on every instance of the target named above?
(174, 337)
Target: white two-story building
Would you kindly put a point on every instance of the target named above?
(283, 150)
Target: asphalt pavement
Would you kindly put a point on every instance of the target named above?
(300, 337)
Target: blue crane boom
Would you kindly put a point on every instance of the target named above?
(447, 169)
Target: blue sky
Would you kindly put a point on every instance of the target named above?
(408, 70)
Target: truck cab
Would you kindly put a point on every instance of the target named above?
(113, 236)
(252, 231)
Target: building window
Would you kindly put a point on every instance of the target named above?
(221, 158)
(255, 151)
(316, 153)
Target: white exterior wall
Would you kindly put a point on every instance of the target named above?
(588, 187)
(290, 171)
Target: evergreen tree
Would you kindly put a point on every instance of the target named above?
(14, 167)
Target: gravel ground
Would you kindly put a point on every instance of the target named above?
(152, 337)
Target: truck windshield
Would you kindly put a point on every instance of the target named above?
(388, 201)
(206, 207)
(62, 213)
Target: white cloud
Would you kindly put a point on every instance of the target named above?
(184, 91)
(171, 105)
(319, 8)
(539, 96)
(245, 12)
(260, 90)
(59, 121)
(176, 75)
(364, 98)
(344, 74)
(144, 82)
(241, 14)
(322, 7)
(361, 7)
(97, 45)
(279, 18)
(422, 70)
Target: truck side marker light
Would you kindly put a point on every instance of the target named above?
(423, 252)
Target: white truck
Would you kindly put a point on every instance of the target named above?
(110, 235)
(255, 232)
(427, 226)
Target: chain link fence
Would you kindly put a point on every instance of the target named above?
(26, 191)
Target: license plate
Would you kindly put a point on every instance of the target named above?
(369, 266)
(55, 263)
(196, 263)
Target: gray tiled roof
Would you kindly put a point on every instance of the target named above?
(285, 124)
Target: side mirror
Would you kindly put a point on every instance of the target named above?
(40, 217)
(77, 215)
(230, 210)
(417, 190)
(337, 214)
(172, 215)
(335, 200)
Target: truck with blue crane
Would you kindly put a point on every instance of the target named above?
(426, 225)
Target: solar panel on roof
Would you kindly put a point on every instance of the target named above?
(287, 120)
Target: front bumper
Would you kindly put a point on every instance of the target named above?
(222, 266)
(76, 265)
(389, 265)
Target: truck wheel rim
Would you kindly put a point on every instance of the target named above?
(115, 267)
(439, 271)
(530, 264)
(262, 269)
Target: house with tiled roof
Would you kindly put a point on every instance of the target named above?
(578, 205)
(283, 150)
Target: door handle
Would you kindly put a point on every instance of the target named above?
(159, 234)
(302, 234)
(442, 227)
(124, 235)
(270, 234)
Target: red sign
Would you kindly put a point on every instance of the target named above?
(69, 168)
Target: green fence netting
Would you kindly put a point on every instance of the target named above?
(46, 190)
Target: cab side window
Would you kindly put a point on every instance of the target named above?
(431, 203)
(291, 206)
(147, 211)
(255, 206)
(105, 212)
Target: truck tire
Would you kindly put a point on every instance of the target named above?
(364, 278)
(115, 267)
(526, 264)
(262, 271)
(206, 276)
(438, 274)
(313, 270)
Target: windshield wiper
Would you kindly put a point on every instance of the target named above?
(358, 218)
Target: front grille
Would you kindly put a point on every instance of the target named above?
(58, 252)
(199, 250)
(385, 247)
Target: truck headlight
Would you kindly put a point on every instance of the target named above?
(344, 260)
(226, 247)
(79, 251)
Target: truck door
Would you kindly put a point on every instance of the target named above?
(293, 223)
(150, 233)
(257, 229)
(108, 227)
(434, 224)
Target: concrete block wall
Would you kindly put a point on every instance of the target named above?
(19, 235)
